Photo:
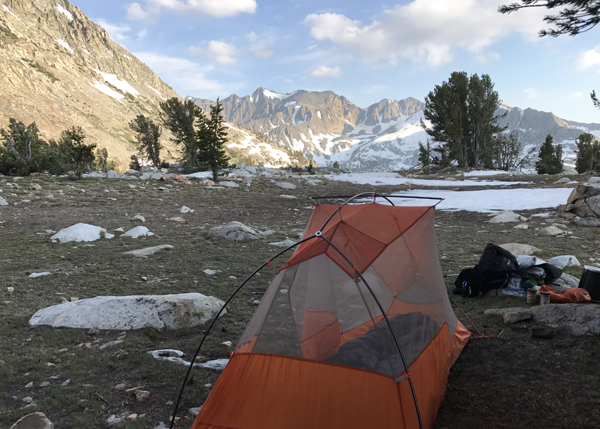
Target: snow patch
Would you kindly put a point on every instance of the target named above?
(394, 179)
(87, 52)
(155, 90)
(65, 45)
(10, 11)
(117, 83)
(274, 95)
(128, 57)
(108, 91)
(65, 12)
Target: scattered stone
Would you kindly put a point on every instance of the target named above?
(131, 312)
(112, 174)
(521, 226)
(121, 386)
(110, 344)
(289, 197)
(285, 185)
(29, 385)
(93, 331)
(256, 302)
(541, 332)
(211, 272)
(227, 184)
(267, 232)
(564, 282)
(227, 343)
(507, 216)
(520, 249)
(313, 182)
(28, 399)
(35, 187)
(545, 215)
(138, 217)
(10, 289)
(34, 275)
(33, 421)
(515, 315)
(114, 420)
(217, 364)
(147, 251)
(81, 232)
(551, 231)
(49, 231)
(208, 182)
(285, 243)
(3, 202)
(141, 395)
(138, 231)
(178, 219)
(184, 210)
(565, 261)
(195, 411)
(132, 417)
(44, 384)
(563, 180)
(66, 382)
(119, 230)
(234, 231)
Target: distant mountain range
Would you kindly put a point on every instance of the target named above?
(328, 128)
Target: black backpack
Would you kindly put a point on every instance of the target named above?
(492, 272)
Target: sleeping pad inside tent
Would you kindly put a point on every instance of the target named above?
(318, 352)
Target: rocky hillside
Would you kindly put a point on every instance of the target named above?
(59, 69)
(386, 135)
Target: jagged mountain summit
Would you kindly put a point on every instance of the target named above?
(328, 128)
(60, 69)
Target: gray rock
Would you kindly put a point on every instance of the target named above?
(579, 319)
(285, 243)
(520, 249)
(289, 197)
(507, 216)
(35, 187)
(132, 172)
(227, 184)
(185, 210)
(146, 168)
(146, 175)
(147, 251)
(565, 261)
(521, 226)
(564, 282)
(138, 217)
(551, 231)
(234, 231)
(156, 176)
(313, 182)
(138, 231)
(33, 421)
(130, 312)
(581, 221)
(285, 185)
(515, 315)
(194, 411)
(3, 202)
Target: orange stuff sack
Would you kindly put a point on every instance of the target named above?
(570, 296)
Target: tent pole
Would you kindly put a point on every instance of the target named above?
(214, 320)
(387, 321)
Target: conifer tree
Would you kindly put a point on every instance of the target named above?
(180, 119)
(550, 158)
(211, 137)
(588, 153)
(148, 134)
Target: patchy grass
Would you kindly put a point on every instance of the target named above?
(505, 363)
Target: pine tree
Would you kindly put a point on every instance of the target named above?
(180, 119)
(550, 158)
(148, 134)
(79, 156)
(424, 156)
(336, 165)
(509, 149)
(462, 116)
(212, 136)
(588, 153)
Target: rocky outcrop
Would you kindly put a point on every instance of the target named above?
(584, 200)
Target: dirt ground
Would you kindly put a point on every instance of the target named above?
(505, 380)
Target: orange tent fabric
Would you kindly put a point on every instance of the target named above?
(319, 353)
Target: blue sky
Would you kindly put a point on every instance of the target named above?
(362, 50)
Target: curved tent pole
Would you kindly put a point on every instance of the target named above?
(387, 321)
(345, 203)
(214, 320)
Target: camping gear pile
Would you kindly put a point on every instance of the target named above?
(356, 330)
(515, 275)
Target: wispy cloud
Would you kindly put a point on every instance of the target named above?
(151, 9)
(323, 71)
(221, 52)
(531, 92)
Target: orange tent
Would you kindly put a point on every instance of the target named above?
(355, 331)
